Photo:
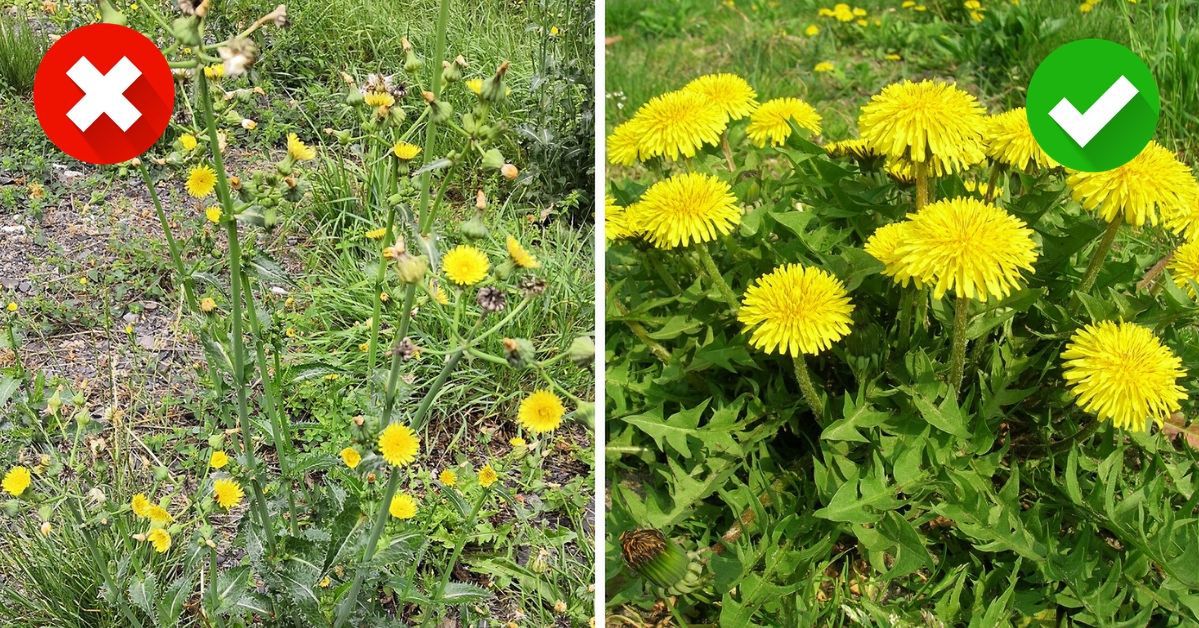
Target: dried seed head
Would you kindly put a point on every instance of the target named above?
(641, 546)
(509, 171)
(408, 349)
(492, 299)
(532, 285)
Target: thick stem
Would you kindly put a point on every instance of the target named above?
(639, 330)
(728, 151)
(994, 180)
(237, 338)
(921, 185)
(957, 360)
(426, 215)
(1105, 245)
(807, 387)
(722, 286)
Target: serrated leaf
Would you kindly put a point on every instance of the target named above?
(142, 592)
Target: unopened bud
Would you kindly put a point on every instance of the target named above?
(519, 351)
(509, 171)
(480, 200)
(582, 350)
(411, 268)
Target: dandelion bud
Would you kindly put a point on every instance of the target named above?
(439, 110)
(343, 137)
(411, 268)
(11, 507)
(585, 412)
(480, 200)
(278, 16)
(412, 63)
(474, 228)
(493, 88)
(110, 15)
(370, 477)
(186, 29)
(582, 350)
(235, 183)
(207, 305)
(46, 528)
(491, 299)
(660, 561)
(162, 474)
(519, 352)
(494, 159)
(451, 72)
(509, 171)
(139, 537)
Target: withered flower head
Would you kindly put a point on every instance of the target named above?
(408, 349)
(492, 299)
(641, 546)
(238, 56)
(531, 285)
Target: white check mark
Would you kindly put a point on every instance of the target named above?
(1082, 127)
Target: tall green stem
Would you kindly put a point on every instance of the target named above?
(1105, 245)
(921, 185)
(426, 214)
(957, 360)
(807, 387)
(469, 526)
(176, 258)
(235, 288)
(722, 286)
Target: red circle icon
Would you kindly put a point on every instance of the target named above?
(104, 93)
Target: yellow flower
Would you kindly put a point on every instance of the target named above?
(618, 223)
(440, 296)
(187, 141)
(12, 306)
(213, 214)
(676, 125)
(447, 477)
(140, 505)
(541, 412)
(623, 144)
(729, 92)
(1122, 373)
(207, 304)
(1086, 7)
(973, 248)
(227, 492)
(465, 265)
(1010, 141)
(200, 181)
(522, 257)
(161, 539)
(351, 457)
(159, 515)
(375, 234)
(218, 459)
(812, 30)
(476, 85)
(517, 442)
(403, 506)
(891, 56)
(1184, 220)
(824, 66)
(405, 151)
(770, 123)
(325, 582)
(554, 31)
(1154, 181)
(795, 310)
(487, 476)
(686, 208)
(214, 71)
(297, 150)
(929, 121)
(375, 99)
(399, 445)
(982, 188)
(1184, 267)
(16, 481)
(883, 245)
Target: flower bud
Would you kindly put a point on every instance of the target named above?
(186, 29)
(110, 15)
(582, 351)
(411, 268)
(494, 159)
(216, 441)
(480, 200)
(509, 171)
(519, 352)
(451, 72)
(11, 507)
(439, 110)
(474, 228)
(660, 561)
(412, 63)
(162, 474)
(493, 88)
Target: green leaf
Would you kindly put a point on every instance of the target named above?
(142, 592)
(857, 414)
(947, 417)
(674, 431)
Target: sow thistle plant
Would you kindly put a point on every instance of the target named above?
(857, 338)
(355, 545)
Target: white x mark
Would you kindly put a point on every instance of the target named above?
(104, 94)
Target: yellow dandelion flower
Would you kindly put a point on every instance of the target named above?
(883, 245)
(440, 296)
(16, 481)
(925, 121)
(403, 506)
(160, 539)
(686, 208)
(201, 180)
(213, 214)
(228, 492)
(207, 305)
(375, 234)
(812, 30)
(1153, 182)
(476, 85)
(405, 151)
(375, 99)
(298, 150)
(12, 306)
(541, 412)
(140, 505)
(824, 66)
(623, 144)
(188, 141)
(351, 457)
(218, 459)
(447, 477)
(465, 265)
(1009, 140)
(1184, 267)
(488, 476)
(1184, 220)
(214, 71)
(1122, 373)
(520, 255)
(795, 310)
(770, 124)
(158, 515)
(399, 445)
(517, 442)
(973, 248)
(729, 92)
(678, 124)
(617, 221)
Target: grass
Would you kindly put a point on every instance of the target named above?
(21, 49)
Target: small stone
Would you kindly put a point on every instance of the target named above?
(25, 286)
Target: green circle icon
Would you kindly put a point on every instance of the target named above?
(1093, 105)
